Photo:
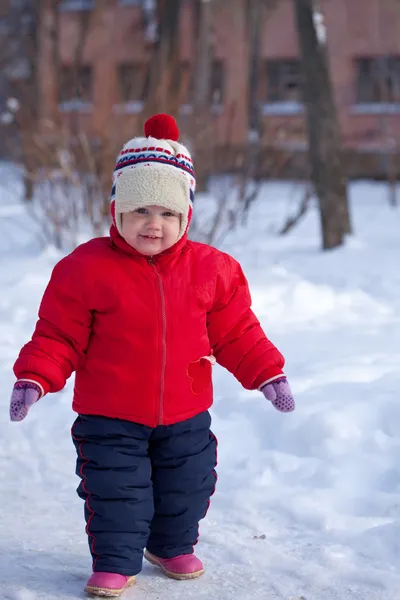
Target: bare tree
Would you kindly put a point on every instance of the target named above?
(160, 93)
(389, 89)
(327, 171)
(18, 71)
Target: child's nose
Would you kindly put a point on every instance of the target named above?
(154, 221)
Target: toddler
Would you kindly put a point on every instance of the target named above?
(141, 316)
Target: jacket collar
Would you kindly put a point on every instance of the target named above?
(118, 241)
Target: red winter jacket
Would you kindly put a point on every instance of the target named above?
(141, 333)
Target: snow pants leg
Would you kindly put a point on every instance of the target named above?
(115, 469)
(143, 487)
(183, 458)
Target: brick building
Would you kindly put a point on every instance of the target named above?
(364, 54)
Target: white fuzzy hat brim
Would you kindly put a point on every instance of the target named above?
(152, 185)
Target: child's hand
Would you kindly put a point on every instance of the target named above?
(24, 395)
(279, 393)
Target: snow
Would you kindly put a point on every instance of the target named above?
(133, 107)
(320, 27)
(72, 5)
(289, 107)
(376, 108)
(307, 504)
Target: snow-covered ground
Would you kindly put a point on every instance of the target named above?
(307, 504)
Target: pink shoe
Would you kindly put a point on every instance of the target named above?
(185, 566)
(108, 585)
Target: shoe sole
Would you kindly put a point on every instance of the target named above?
(109, 592)
(179, 576)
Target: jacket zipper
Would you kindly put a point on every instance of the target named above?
(163, 343)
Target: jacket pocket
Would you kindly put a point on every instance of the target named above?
(200, 374)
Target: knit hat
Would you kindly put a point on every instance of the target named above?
(154, 170)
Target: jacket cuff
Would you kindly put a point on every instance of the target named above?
(268, 376)
(260, 387)
(33, 378)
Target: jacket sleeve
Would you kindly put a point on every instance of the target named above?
(62, 331)
(238, 342)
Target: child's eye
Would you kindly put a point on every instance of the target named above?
(168, 213)
(141, 211)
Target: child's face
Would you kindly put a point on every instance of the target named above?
(151, 229)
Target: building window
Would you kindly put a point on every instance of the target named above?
(132, 78)
(70, 5)
(283, 81)
(76, 85)
(217, 83)
(378, 80)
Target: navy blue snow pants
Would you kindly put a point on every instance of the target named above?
(143, 487)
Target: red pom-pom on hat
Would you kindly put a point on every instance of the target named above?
(161, 127)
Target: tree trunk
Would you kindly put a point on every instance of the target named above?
(201, 76)
(323, 131)
(160, 94)
(254, 31)
(24, 26)
(203, 25)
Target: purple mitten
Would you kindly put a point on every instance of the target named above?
(24, 395)
(279, 393)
